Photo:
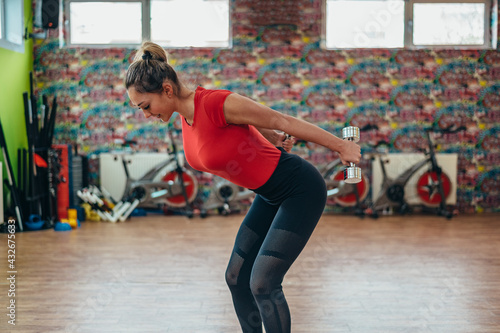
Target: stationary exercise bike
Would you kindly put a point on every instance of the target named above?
(168, 182)
(433, 186)
(225, 196)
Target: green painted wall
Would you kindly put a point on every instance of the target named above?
(14, 80)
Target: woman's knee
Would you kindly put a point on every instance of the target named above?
(231, 277)
(233, 271)
(267, 294)
(258, 286)
(264, 284)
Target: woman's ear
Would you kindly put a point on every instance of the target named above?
(167, 88)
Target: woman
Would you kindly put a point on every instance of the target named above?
(234, 137)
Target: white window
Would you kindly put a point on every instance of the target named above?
(364, 24)
(170, 23)
(198, 23)
(93, 23)
(12, 25)
(409, 24)
(450, 23)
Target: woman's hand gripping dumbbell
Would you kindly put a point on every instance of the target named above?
(352, 174)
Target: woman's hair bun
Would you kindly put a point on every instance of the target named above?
(151, 51)
(147, 55)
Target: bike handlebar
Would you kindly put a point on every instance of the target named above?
(125, 143)
(449, 129)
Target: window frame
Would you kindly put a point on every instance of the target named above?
(487, 44)
(146, 27)
(489, 37)
(67, 24)
(4, 42)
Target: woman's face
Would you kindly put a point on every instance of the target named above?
(157, 105)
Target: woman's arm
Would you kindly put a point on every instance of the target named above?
(242, 110)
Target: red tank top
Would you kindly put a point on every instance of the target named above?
(238, 153)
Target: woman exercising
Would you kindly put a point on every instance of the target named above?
(236, 138)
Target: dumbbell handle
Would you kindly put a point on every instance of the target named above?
(351, 139)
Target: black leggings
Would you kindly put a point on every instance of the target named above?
(278, 225)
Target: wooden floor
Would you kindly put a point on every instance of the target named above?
(166, 274)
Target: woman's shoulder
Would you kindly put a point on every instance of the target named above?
(211, 97)
(210, 102)
(211, 92)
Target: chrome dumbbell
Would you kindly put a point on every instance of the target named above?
(352, 174)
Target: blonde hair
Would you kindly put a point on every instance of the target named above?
(155, 50)
(150, 69)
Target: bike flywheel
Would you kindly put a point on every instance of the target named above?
(428, 188)
(190, 183)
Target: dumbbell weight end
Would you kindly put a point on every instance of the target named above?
(352, 174)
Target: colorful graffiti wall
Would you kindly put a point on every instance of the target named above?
(282, 65)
